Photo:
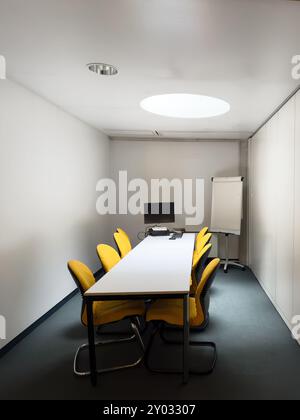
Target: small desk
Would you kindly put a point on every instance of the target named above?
(156, 268)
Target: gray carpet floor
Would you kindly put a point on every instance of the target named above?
(257, 357)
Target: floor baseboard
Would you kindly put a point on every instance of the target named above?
(98, 274)
(38, 322)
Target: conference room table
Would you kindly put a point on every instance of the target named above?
(156, 268)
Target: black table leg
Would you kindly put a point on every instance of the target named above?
(186, 330)
(91, 337)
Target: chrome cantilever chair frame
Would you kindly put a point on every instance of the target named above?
(158, 325)
(136, 335)
(141, 327)
(159, 328)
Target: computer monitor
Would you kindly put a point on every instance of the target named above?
(155, 213)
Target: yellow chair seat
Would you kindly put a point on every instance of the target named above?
(106, 312)
(171, 311)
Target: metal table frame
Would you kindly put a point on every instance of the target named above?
(91, 333)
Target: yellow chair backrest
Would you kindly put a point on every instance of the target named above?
(199, 255)
(123, 233)
(201, 242)
(207, 273)
(123, 243)
(82, 275)
(202, 232)
(199, 261)
(203, 286)
(108, 256)
(84, 279)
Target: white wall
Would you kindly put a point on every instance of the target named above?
(274, 208)
(174, 159)
(296, 282)
(49, 165)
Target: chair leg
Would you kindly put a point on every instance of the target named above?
(193, 343)
(114, 334)
(120, 333)
(138, 322)
(163, 328)
(149, 346)
(141, 324)
(136, 336)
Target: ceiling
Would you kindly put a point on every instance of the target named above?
(237, 50)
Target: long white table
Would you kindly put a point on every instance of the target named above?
(156, 268)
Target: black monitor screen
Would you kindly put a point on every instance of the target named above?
(159, 213)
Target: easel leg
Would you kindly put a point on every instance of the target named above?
(226, 262)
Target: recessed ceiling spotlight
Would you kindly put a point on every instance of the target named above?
(183, 105)
(102, 69)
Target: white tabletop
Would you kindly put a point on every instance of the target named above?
(156, 266)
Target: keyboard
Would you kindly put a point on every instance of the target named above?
(176, 235)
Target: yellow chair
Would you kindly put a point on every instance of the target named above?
(198, 267)
(170, 311)
(123, 242)
(105, 312)
(119, 230)
(108, 256)
(202, 232)
(200, 244)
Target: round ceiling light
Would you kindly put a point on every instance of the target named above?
(102, 69)
(183, 105)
